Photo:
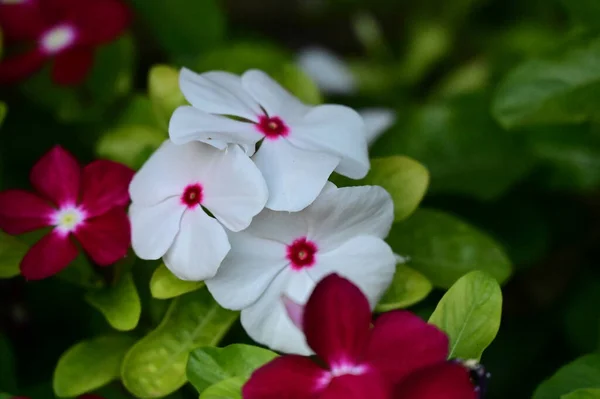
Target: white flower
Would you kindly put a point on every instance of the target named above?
(327, 70)
(285, 253)
(170, 194)
(300, 145)
(377, 121)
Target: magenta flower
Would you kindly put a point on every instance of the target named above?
(401, 356)
(67, 31)
(86, 203)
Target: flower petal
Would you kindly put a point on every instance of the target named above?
(337, 130)
(199, 247)
(369, 385)
(106, 238)
(19, 67)
(247, 271)
(48, 256)
(445, 380)
(104, 185)
(377, 121)
(295, 311)
(337, 318)
(339, 214)
(289, 377)
(219, 93)
(402, 342)
(57, 176)
(367, 261)
(294, 177)
(153, 228)
(191, 124)
(21, 211)
(266, 320)
(100, 21)
(328, 71)
(72, 66)
(21, 20)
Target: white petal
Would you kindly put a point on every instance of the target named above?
(153, 228)
(282, 227)
(276, 100)
(199, 247)
(295, 177)
(377, 121)
(327, 70)
(337, 130)
(343, 213)
(218, 93)
(367, 261)
(189, 124)
(235, 190)
(267, 322)
(247, 271)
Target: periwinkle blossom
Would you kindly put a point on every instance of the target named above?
(285, 253)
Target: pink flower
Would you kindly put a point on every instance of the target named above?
(67, 31)
(87, 203)
(401, 356)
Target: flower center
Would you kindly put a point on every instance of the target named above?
(68, 219)
(339, 370)
(272, 127)
(192, 196)
(302, 253)
(58, 38)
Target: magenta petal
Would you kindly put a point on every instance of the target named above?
(18, 67)
(21, 21)
(72, 67)
(105, 185)
(101, 21)
(401, 343)
(56, 176)
(444, 380)
(106, 238)
(48, 256)
(337, 318)
(364, 386)
(289, 377)
(21, 211)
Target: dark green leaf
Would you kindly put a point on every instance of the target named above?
(8, 378)
(12, 251)
(584, 12)
(590, 393)
(581, 373)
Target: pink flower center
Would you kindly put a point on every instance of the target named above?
(272, 127)
(192, 196)
(340, 370)
(58, 38)
(68, 219)
(302, 253)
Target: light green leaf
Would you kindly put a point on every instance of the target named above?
(120, 303)
(208, 366)
(298, 83)
(12, 251)
(444, 248)
(591, 393)
(90, 365)
(156, 365)
(470, 314)
(165, 285)
(579, 374)
(163, 89)
(408, 287)
(131, 145)
(227, 389)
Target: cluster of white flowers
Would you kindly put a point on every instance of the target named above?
(239, 197)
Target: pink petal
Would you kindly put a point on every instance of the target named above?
(19, 67)
(289, 377)
(48, 256)
(401, 343)
(105, 185)
(21, 211)
(364, 386)
(337, 318)
(56, 176)
(72, 67)
(106, 238)
(445, 380)
(21, 21)
(294, 310)
(101, 21)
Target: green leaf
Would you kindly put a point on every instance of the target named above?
(208, 366)
(559, 88)
(444, 248)
(90, 365)
(12, 251)
(470, 314)
(8, 378)
(581, 373)
(81, 272)
(408, 287)
(163, 89)
(298, 83)
(165, 285)
(590, 393)
(3, 110)
(120, 303)
(584, 12)
(131, 145)
(227, 389)
(156, 365)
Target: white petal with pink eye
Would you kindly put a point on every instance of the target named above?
(247, 271)
(281, 227)
(267, 322)
(219, 93)
(199, 247)
(377, 121)
(367, 261)
(294, 177)
(153, 228)
(339, 214)
(327, 70)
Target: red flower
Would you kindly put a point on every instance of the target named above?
(67, 30)
(87, 203)
(400, 357)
